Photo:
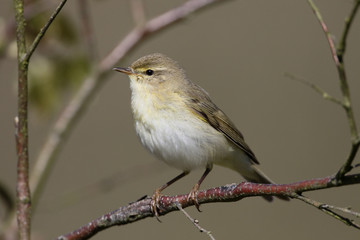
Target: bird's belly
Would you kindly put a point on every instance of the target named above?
(185, 142)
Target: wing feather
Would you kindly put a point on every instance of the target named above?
(209, 112)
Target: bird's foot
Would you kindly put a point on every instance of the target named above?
(155, 204)
(193, 196)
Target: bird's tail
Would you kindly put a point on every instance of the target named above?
(250, 171)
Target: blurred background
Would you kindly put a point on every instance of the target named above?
(238, 51)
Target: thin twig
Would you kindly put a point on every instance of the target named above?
(347, 166)
(326, 209)
(317, 89)
(42, 32)
(194, 221)
(32, 9)
(326, 31)
(345, 210)
(348, 22)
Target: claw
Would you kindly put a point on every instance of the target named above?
(156, 196)
(193, 196)
(155, 204)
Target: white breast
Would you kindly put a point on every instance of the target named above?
(174, 134)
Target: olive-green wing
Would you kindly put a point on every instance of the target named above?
(209, 112)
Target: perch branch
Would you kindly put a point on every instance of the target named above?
(229, 193)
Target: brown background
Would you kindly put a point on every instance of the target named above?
(238, 52)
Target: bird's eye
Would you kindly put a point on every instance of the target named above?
(149, 72)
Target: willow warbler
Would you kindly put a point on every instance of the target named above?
(176, 120)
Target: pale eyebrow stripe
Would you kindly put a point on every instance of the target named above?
(155, 69)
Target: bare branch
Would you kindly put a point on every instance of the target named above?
(228, 193)
(348, 164)
(23, 210)
(42, 32)
(326, 31)
(345, 210)
(317, 89)
(23, 206)
(348, 22)
(194, 221)
(338, 57)
(327, 209)
(32, 9)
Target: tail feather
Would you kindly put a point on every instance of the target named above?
(259, 177)
(252, 173)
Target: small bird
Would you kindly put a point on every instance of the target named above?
(177, 121)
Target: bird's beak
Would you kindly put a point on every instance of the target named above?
(127, 71)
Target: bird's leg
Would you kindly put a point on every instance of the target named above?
(156, 195)
(194, 192)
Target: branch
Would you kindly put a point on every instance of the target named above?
(328, 210)
(42, 32)
(229, 193)
(345, 210)
(23, 196)
(338, 57)
(326, 31)
(23, 208)
(194, 221)
(348, 22)
(346, 93)
(316, 88)
(347, 166)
